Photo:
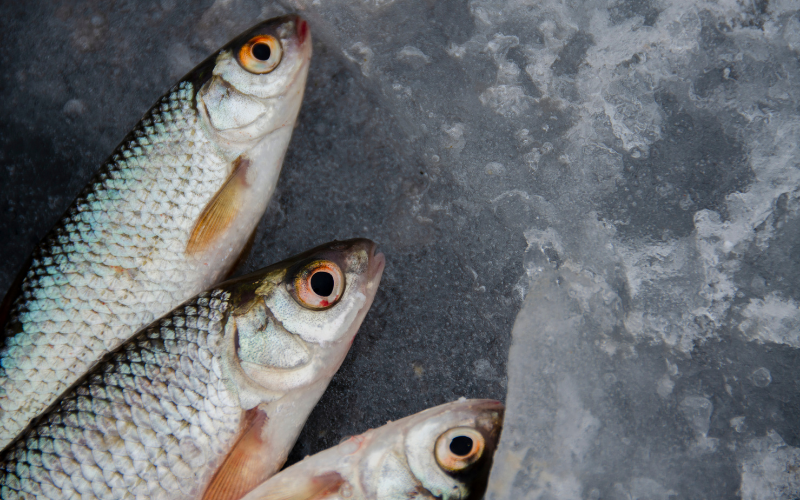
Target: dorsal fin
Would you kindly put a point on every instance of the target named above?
(316, 488)
(220, 212)
(247, 463)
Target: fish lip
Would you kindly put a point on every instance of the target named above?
(375, 265)
(489, 403)
(301, 29)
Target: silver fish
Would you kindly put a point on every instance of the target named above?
(165, 218)
(207, 401)
(442, 453)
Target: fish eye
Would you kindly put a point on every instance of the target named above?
(261, 54)
(319, 285)
(457, 449)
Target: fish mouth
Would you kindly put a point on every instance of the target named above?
(377, 262)
(301, 29)
(375, 265)
(490, 409)
(486, 404)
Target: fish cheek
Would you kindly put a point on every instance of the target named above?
(323, 325)
(395, 480)
(260, 339)
(227, 107)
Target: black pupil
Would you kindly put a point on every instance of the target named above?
(461, 445)
(261, 51)
(322, 284)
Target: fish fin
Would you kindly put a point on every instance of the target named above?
(317, 488)
(246, 466)
(220, 212)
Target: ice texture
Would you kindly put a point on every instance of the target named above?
(621, 173)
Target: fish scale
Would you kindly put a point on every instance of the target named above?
(153, 419)
(203, 402)
(165, 218)
(110, 265)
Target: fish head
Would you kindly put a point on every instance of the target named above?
(287, 329)
(292, 324)
(325, 292)
(443, 453)
(448, 450)
(257, 82)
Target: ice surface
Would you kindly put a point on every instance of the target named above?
(624, 172)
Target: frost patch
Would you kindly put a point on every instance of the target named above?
(413, 56)
(506, 100)
(642, 488)
(454, 139)
(506, 97)
(770, 470)
(576, 428)
(772, 319)
(634, 114)
(362, 55)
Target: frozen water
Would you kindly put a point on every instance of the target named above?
(624, 174)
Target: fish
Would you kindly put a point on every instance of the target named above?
(206, 402)
(165, 217)
(442, 453)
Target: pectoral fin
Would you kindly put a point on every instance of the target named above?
(316, 488)
(220, 212)
(246, 466)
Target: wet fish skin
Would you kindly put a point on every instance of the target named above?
(165, 218)
(162, 415)
(405, 459)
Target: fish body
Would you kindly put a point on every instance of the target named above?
(441, 453)
(165, 218)
(207, 401)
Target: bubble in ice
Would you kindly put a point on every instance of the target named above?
(761, 377)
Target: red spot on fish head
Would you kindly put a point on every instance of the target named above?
(324, 303)
(302, 30)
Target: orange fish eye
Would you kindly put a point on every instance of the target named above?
(261, 54)
(459, 448)
(319, 285)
